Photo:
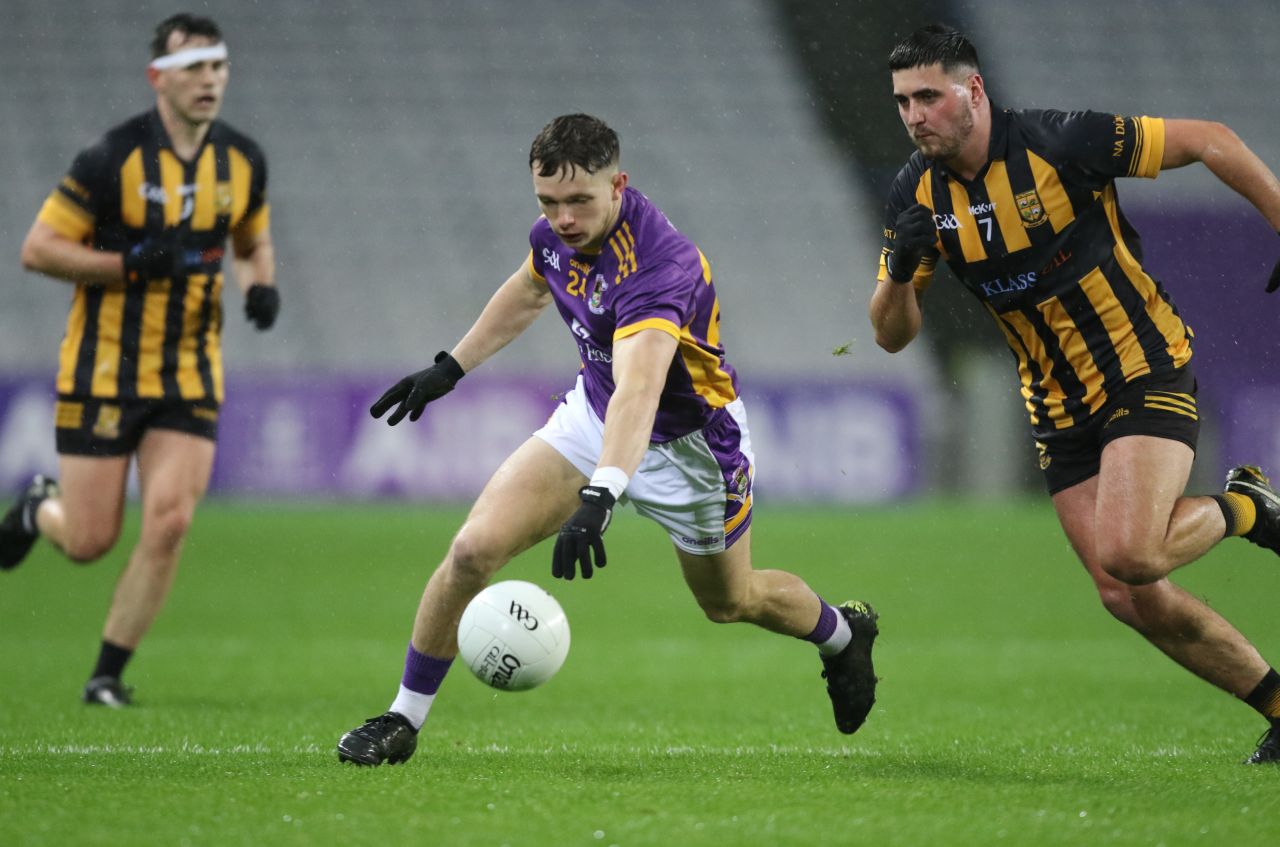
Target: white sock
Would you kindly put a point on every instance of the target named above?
(839, 639)
(414, 706)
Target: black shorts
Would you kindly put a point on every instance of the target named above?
(90, 426)
(1160, 406)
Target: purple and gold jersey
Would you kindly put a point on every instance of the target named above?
(646, 276)
(1038, 236)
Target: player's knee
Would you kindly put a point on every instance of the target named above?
(1131, 564)
(87, 548)
(165, 526)
(1133, 571)
(1118, 600)
(472, 559)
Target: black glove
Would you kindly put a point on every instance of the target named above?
(160, 257)
(1274, 282)
(583, 534)
(262, 304)
(415, 391)
(914, 233)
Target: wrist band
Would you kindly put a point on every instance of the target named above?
(612, 478)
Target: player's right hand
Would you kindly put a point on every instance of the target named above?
(914, 232)
(415, 391)
(262, 305)
(158, 257)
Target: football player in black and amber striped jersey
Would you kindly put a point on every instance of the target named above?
(1022, 206)
(140, 226)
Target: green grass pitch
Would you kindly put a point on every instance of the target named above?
(1012, 709)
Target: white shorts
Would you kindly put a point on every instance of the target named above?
(698, 487)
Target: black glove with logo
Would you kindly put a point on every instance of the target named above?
(262, 304)
(583, 534)
(159, 257)
(914, 233)
(415, 391)
(1274, 282)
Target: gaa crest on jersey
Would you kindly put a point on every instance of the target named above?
(596, 301)
(1030, 208)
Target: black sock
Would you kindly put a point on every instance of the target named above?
(1266, 696)
(111, 660)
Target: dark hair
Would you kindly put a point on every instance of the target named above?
(933, 44)
(184, 23)
(574, 141)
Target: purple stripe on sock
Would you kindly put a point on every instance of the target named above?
(423, 673)
(826, 624)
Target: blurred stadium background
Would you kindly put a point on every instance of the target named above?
(397, 134)
(1012, 707)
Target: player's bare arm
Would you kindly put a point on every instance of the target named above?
(255, 258)
(1228, 158)
(895, 306)
(896, 314)
(640, 366)
(514, 306)
(47, 252)
(255, 263)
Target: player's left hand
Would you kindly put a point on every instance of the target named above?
(415, 391)
(261, 305)
(582, 535)
(914, 232)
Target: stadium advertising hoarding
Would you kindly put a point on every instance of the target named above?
(284, 436)
(1215, 263)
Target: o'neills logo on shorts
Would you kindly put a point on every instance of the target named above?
(705, 541)
(1118, 413)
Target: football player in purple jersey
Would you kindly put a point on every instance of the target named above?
(655, 418)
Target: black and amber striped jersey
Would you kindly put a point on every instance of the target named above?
(1039, 238)
(160, 338)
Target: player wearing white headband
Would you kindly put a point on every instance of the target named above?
(140, 226)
